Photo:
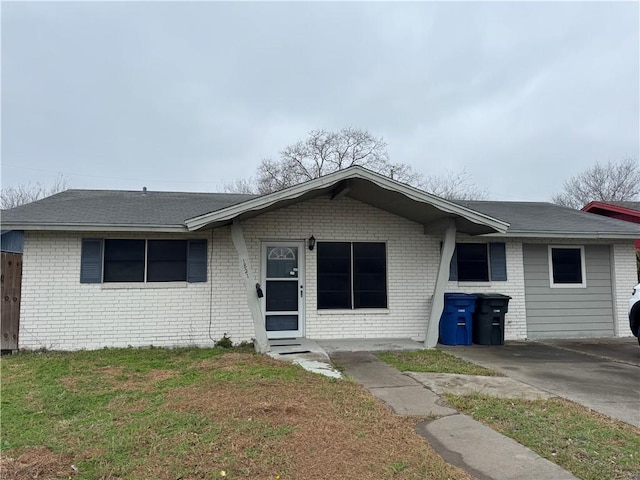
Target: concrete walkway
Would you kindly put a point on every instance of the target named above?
(459, 439)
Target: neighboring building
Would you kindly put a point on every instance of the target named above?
(350, 255)
(11, 241)
(627, 211)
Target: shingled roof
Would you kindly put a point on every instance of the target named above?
(117, 207)
(548, 219)
(93, 209)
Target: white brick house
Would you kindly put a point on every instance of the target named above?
(349, 255)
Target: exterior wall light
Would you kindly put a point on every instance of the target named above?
(312, 242)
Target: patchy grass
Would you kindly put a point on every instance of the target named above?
(434, 361)
(196, 414)
(590, 445)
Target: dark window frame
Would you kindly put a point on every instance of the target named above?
(146, 261)
(473, 262)
(493, 263)
(364, 268)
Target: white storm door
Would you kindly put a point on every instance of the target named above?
(283, 286)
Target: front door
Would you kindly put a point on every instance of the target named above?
(283, 280)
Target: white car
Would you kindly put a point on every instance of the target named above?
(634, 312)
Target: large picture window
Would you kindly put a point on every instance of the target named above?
(139, 261)
(352, 275)
(566, 267)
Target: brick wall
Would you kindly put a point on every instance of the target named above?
(412, 262)
(625, 277)
(515, 327)
(59, 312)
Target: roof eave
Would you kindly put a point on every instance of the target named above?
(579, 235)
(611, 208)
(85, 227)
(229, 213)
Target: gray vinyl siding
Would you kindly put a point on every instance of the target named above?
(568, 312)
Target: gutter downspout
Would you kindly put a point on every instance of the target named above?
(237, 236)
(437, 303)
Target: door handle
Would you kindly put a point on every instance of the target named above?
(301, 289)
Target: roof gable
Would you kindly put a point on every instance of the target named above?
(367, 187)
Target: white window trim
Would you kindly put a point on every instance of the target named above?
(552, 284)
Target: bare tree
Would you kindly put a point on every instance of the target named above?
(453, 186)
(324, 152)
(11, 197)
(241, 185)
(610, 182)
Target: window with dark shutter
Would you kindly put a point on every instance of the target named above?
(166, 261)
(124, 260)
(479, 262)
(473, 264)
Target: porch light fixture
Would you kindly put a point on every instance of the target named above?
(312, 242)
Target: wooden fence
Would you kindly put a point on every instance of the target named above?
(11, 280)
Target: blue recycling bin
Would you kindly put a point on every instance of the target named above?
(456, 322)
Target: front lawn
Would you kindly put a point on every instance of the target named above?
(434, 361)
(197, 414)
(590, 445)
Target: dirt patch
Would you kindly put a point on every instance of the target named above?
(231, 362)
(316, 432)
(117, 378)
(38, 462)
(160, 375)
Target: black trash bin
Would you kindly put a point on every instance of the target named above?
(488, 319)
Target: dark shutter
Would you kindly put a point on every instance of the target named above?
(91, 260)
(453, 266)
(197, 262)
(498, 259)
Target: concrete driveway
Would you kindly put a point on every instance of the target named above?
(602, 374)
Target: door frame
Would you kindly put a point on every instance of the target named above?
(301, 287)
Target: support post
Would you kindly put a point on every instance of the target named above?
(237, 236)
(437, 302)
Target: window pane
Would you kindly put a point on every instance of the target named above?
(334, 275)
(369, 275)
(277, 323)
(282, 296)
(167, 261)
(124, 260)
(167, 250)
(282, 262)
(473, 265)
(567, 265)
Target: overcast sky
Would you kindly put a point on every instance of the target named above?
(189, 96)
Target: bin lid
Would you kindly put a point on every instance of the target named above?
(466, 296)
(492, 296)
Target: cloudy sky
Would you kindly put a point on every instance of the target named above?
(190, 96)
